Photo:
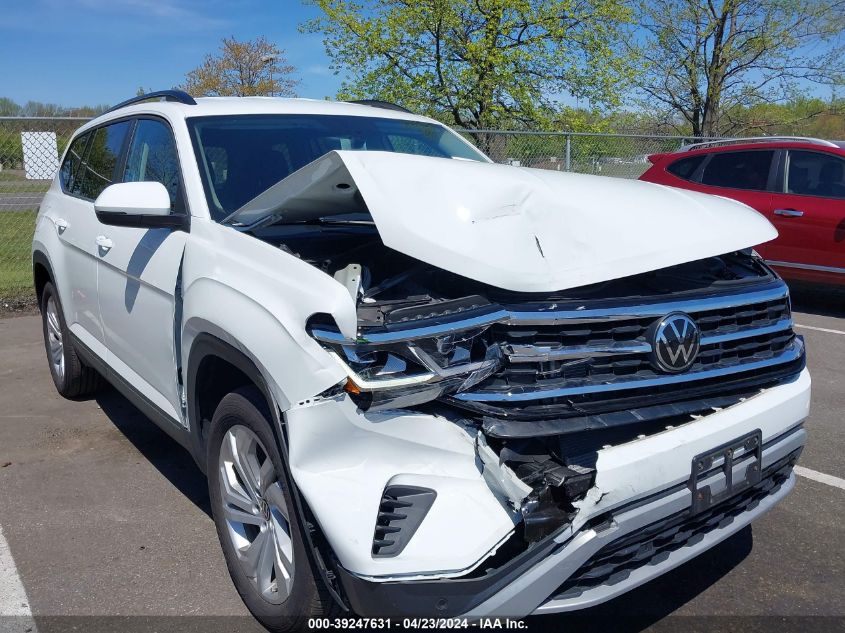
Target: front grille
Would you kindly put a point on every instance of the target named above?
(654, 543)
(579, 359)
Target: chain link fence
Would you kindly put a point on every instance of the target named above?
(29, 157)
(30, 149)
(617, 155)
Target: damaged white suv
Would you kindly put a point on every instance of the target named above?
(421, 383)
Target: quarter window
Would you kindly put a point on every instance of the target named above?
(686, 167)
(815, 174)
(739, 170)
(69, 174)
(98, 168)
(152, 157)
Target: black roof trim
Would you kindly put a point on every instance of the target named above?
(167, 95)
(385, 105)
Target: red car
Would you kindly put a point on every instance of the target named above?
(797, 183)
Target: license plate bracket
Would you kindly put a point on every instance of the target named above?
(724, 458)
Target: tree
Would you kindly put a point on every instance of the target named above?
(476, 63)
(243, 69)
(9, 107)
(705, 58)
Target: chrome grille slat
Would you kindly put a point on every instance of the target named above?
(578, 387)
(526, 353)
(577, 360)
(543, 316)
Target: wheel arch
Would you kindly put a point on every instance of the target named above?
(216, 368)
(42, 273)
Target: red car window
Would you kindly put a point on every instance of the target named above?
(815, 174)
(739, 170)
(685, 168)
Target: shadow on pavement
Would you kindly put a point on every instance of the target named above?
(649, 604)
(823, 300)
(158, 448)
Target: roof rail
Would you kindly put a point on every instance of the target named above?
(168, 95)
(757, 139)
(385, 105)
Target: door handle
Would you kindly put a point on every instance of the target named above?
(61, 225)
(789, 213)
(104, 243)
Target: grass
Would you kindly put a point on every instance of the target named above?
(14, 181)
(24, 186)
(16, 229)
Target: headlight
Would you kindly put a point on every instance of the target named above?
(374, 369)
(416, 370)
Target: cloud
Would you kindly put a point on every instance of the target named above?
(317, 70)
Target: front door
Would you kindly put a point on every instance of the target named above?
(808, 210)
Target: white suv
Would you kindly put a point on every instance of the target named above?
(420, 383)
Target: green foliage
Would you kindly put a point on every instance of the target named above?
(798, 117)
(11, 152)
(38, 109)
(478, 63)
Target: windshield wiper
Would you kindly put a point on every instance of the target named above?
(325, 222)
(274, 220)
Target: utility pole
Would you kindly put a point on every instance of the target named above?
(268, 60)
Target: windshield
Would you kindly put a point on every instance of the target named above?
(241, 156)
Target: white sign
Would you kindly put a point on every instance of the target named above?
(40, 155)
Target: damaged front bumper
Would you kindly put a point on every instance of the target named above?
(633, 524)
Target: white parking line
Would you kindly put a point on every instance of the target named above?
(819, 329)
(13, 600)
(830, 480)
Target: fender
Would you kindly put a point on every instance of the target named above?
(205, 345)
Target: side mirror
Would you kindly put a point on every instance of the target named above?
(144, 205)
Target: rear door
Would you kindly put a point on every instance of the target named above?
(808, 210)
(139, 273)
(88, 169)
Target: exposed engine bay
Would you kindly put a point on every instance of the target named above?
(392, 284)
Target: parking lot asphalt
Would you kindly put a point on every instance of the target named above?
(104, 515)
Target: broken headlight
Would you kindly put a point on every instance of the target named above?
(403, 372)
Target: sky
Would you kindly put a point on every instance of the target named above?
(95, 52)
(88, 52)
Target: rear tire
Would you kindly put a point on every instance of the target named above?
(256, 519)
(71, 376)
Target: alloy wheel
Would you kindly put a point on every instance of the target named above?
(54, 338)
(256, 514)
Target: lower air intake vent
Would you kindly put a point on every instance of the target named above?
(400, 513)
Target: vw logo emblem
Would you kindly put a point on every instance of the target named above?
(675, 343)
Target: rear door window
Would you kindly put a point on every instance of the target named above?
(739, 170)
(101, 160)
(815, 174)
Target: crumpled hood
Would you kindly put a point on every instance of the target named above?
(528, 230)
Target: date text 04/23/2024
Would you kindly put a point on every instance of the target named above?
(415, 623)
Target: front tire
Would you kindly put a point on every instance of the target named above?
(73, 379)
(256, 521)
